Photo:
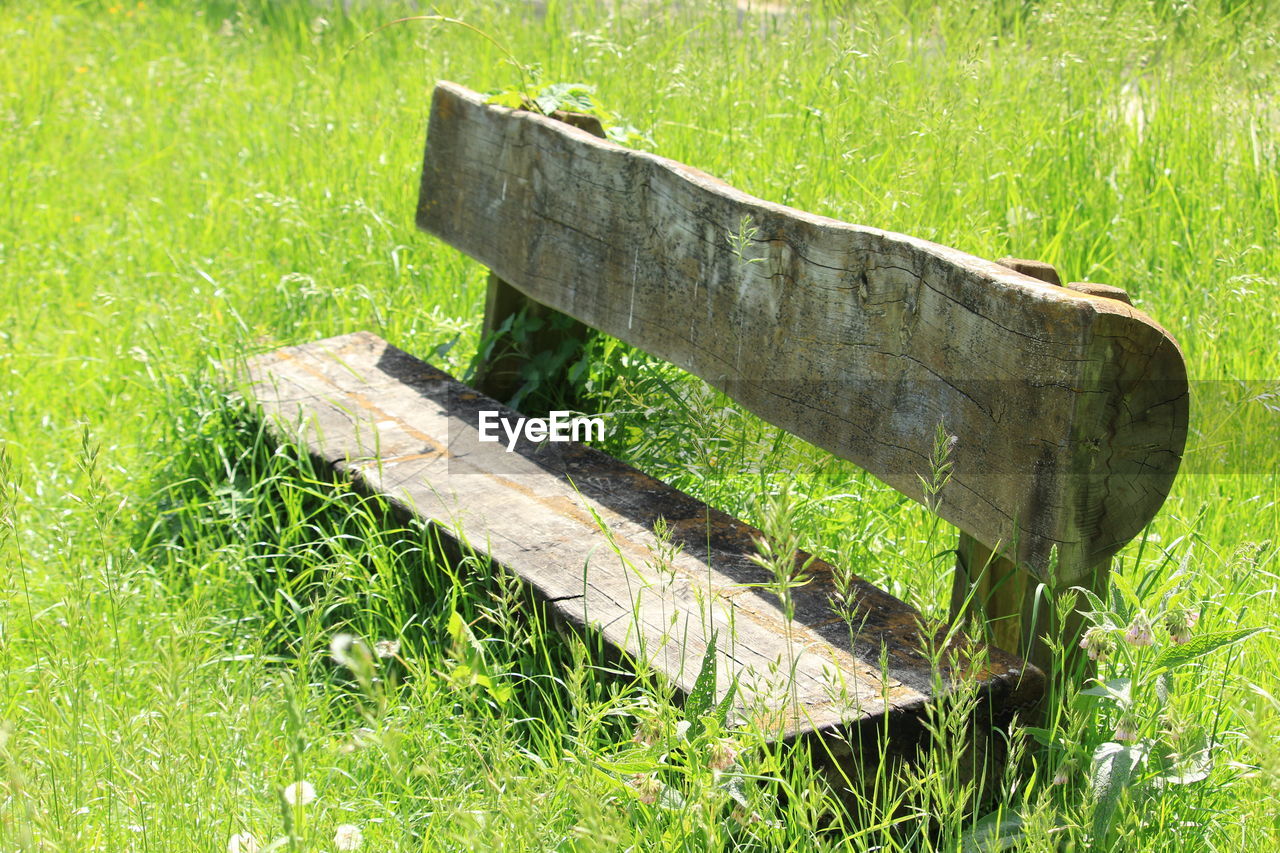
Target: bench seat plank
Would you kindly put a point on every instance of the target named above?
(577, 527)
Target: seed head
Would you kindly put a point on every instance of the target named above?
(299, 793)
(242, 842)
(348, 837)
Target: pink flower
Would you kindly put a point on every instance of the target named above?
(1179, 621)
(647, 787)
(723, 755)
(1127, 728)
(1139, 633)
(648, 731)
(1098, 643)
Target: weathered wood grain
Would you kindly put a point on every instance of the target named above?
(577, 527)
(505, 355)
(1017, 608)
(1070, 411)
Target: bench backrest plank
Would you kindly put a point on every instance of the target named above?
(1069, 410)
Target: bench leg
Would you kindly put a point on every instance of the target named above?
(1022, 613)
(517, 331)
(1019, 610)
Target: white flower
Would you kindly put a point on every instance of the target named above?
(348, 837)
(341, 647)
(299, 794)
(387, 648)
(242, 842)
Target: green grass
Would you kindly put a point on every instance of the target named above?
(184, 184)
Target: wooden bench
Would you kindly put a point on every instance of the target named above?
(1068, 411)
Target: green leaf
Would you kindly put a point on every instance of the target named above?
(1188, 772)
(704, 690)
(1113, 768)
(721, 715)
(629, 761)
(456, 626)
(1118, 690)
(575, 97)
(1042, 736)
(512, 99)
(1125, 586)
(998, 830)
(735, 786)
(671, 799)
(1172, 657)
(1094, 601)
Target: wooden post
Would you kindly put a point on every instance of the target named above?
(517, 329)
(1004, 595)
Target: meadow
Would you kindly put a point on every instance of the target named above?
(188, 183)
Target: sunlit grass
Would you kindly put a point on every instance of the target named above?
(183, 185)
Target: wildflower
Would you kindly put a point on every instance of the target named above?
(1178, 622)
(1065, 769)
(242, 842)
(648, 731)
(723, 755)
(299, 794)
(348, 837)
(387, 648)
(1127, 728)
(1139, 633)
(1098, 643)
(647, 787)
